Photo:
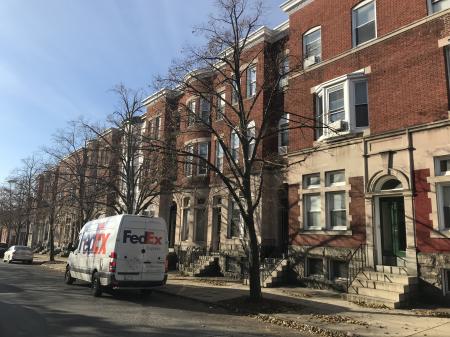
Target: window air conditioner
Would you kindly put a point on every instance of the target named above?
(311, 60)
(339, 125)
(282, 150)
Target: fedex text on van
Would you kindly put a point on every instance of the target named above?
(95, 243)
(147, 238)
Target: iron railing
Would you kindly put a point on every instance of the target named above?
(189, 256)
(356, 262)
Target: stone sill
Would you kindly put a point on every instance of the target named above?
(440, 234)
(326, 232)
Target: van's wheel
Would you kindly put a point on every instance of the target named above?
(96, 286)
(68, 279)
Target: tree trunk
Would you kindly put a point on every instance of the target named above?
(51, 240)
(254, 263)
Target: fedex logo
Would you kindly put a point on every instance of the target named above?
(95, 243)
(147, 238)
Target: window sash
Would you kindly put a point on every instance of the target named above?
(188, 161)
(311, 181)
(444, 205)
(220, 106)
(364, 23)
(251, 81)
(313, 44)
(192, 112)
(203, 153)
(219, 156)
(312, 210)
(319, 120)
(235, 143)
(284, 71)
(439, 5)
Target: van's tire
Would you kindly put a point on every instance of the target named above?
(68, 279)
(96, 287)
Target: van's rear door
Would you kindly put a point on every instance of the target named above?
(129, 253)
(154, 254)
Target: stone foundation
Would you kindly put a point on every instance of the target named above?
(431, 277)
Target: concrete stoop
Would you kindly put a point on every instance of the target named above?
(276, 276)
(205, 266)
(387, 286)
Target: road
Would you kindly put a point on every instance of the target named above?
(35, 302)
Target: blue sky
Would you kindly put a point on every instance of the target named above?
(59, 58)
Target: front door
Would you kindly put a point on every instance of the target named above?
(393, 231)
(217, 220)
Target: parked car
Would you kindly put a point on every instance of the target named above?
(119, 252)
(2, 251)
(18, 253)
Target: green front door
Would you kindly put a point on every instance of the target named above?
(393, 231)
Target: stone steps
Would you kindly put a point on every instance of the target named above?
(372, 301)
(389, 286)
(276, 276)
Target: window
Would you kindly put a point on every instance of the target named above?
(442, 166)
(235, 225)
(154, 128)
(200, 220)
(444, 205)
(311, 181)
(234, 90)
(361, 104)
(364, 23)
(219, 156)
(192, 111)
(251, 134)
(284, 71)
(335, 178)
(446, 281)
(338, 270)
(235, 143)
(312, 47)
(438, 5)
(251, 80)
(188, 161)
(341, 106)
(283, 134)
(220, 106)
(336, 209)
(315, 267)
(185, 223)
(202, 161)
(312, 212)
(205, 107)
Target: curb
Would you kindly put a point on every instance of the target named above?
(167, 292)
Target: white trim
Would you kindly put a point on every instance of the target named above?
(430, 8)
(291, 6)
(439, 201)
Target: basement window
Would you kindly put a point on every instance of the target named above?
(314, 267)
(446, 281)
(338, 270)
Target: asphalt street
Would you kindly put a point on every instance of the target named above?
(35, 302)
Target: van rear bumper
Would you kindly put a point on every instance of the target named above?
(136, 284)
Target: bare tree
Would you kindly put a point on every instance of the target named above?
(132, 173)
(225, 61)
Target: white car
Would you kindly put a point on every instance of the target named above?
(120, 252)
(18, 253)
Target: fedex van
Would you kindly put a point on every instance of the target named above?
(122, 251)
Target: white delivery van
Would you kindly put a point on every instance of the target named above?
(122, 251)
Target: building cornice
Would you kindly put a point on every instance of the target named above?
(157, 95)
(292, 6)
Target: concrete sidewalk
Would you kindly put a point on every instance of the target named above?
(322, 309)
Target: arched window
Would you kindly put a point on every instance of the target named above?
(391, 184)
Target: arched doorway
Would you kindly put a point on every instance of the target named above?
(391, 224)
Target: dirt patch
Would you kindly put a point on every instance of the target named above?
(245, 305)
(338, 319)
(431, 313)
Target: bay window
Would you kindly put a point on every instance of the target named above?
(192, 111)
(203, 158)
(188, 161)
(205, 108)
(219, 156)
(341, 106)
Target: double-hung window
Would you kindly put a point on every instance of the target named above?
(283, 134)
(442, 169)
(341, 106)
(313, 209)
(220, 109)
(364, 23)
(203, 158)
(200, 216)
(219, 156)
(251, 135)
(192, 111)
(205, 109)
(188, 160)
(251, 80)
(336, 209)
(185, 223)
(154, 128)
(438, 5)
(283, 70)
(235, 223)
(235, 144)
(312, 46)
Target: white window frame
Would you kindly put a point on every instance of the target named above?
(251, 135)
(306, 196)
(192, 112)
(431, 3)
(219, 156)
(284, 71)
(188, 164)
(440, 197)
(283, 128)
(328, 182)
(251, 82)
(234, 90)
(310, 187)
(437, 166)
(328, 209)
(235, 144)
(322, 93)
(354, 11)
(221, 104)
(305, 57)
(201, 164)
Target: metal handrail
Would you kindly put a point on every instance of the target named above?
(265, 274)
(356, 262)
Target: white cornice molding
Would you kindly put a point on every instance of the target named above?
(157, 95)
(292, 6)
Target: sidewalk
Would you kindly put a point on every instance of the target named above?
(318, 308)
